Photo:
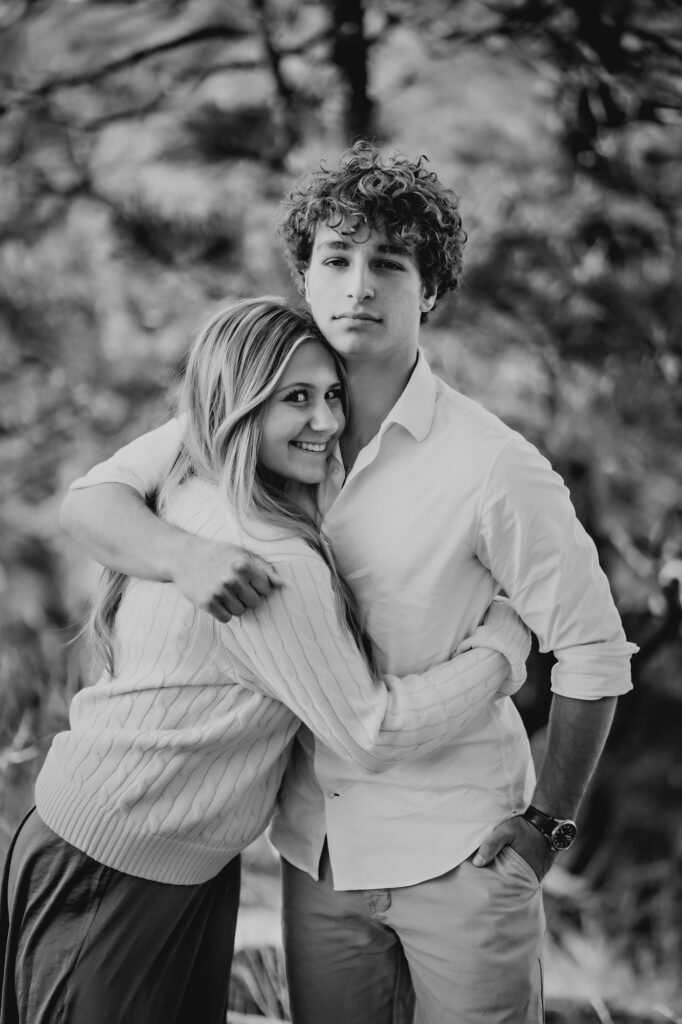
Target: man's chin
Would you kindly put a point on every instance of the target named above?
(348, 343)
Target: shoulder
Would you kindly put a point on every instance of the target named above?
(480, 447)
(455, 411)
(474, 434)
(199, 507)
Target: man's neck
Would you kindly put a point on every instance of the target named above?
(374, 390)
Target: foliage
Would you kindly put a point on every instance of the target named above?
(144, 151)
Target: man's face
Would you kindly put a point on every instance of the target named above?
(366, 295)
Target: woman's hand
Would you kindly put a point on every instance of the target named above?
(502, 630)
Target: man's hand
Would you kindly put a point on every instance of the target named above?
(528, 842)
(221, 579)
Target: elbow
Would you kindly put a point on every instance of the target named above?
(79, 514)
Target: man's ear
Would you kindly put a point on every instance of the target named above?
(428, 301)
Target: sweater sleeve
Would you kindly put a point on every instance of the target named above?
(300, 654)
(143, 464)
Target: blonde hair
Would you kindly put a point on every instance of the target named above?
(233, 368)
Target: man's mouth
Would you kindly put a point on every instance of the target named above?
(357, 316)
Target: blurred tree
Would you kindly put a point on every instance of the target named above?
(174, 120)
(143, 151)
(610, 63)
(349, 53)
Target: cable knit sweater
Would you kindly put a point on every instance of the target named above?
(171, 767)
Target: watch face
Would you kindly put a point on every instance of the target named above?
(564, 835)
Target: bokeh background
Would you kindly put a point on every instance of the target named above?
(145, 149)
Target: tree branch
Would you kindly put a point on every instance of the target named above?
(138, 56)
(87, 76)
(274, 56)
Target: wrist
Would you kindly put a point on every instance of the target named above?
(174, 552)
(559, 833)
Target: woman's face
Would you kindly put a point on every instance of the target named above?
(303, 417)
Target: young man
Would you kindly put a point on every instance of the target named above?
(433, 507)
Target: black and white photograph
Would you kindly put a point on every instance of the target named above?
(340, 512)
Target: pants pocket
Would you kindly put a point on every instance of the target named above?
(511, 860)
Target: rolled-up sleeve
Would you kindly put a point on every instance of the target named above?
(543, 559)
(143, 464)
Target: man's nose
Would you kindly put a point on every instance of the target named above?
(360, 285)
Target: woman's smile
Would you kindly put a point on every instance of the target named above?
(310, 446)
(304, 416)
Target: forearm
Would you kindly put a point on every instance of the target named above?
(303, 656)
(577, 732)
(489, 664)
(118, 530)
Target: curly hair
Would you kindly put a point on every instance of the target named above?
(397, 195)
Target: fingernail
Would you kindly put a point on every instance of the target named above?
(478, 861)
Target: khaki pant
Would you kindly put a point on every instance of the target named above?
(471, 940)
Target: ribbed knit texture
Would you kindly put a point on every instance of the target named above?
(172, 767)
(442, 509)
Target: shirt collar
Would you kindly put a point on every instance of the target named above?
(415, 408)
(414, 411)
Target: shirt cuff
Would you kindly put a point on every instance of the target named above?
(594, 671)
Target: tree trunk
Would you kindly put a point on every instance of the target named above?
(350, 56)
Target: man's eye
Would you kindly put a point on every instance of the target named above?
(335, 261)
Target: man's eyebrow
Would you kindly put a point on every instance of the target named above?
(334, 243)
(395, 249)
(386, 248)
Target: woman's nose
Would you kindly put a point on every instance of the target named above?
(322, 418)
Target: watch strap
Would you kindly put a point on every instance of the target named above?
(560, 833)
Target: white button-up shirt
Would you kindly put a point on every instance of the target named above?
(445, 507)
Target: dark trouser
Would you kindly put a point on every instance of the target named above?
(86, 944)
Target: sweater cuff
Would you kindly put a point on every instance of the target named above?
(503, 631)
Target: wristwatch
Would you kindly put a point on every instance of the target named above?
(560, 833)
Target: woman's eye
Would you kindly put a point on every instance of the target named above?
(297, 397)
(334, 394)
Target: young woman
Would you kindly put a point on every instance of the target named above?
(121, 888)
